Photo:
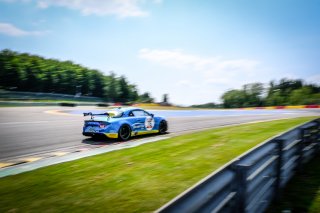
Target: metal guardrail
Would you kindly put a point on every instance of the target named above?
(17, 95)
(250, 182)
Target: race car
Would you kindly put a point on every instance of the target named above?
(123, 123)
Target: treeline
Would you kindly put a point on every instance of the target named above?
(206, 105)
(281, 93)
(32, 73)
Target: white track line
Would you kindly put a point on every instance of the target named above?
(24, 122)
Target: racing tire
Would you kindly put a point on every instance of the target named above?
(163, 127)
(124, 133)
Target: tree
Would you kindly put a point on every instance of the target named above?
(295, 97)
(165, 98)
(275, 99)
(123, 89)
(110, 89)
(279, 92)
(207, 105)
(283, 93)
(253, 94)
(133, 93)
(25, 72)
(146, 98)
(234, 98)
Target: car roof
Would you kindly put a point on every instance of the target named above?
(126, 109)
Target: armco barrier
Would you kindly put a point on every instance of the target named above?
(312, 106)
(250, 182)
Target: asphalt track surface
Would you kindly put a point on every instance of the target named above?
(29, 130)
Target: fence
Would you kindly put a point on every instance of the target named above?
(250, 182)
(16, 95)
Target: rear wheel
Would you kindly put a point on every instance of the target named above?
(124, 133)
(163, 127)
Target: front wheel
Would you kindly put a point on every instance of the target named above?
(124, 133)
(163, 127)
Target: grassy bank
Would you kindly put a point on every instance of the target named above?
(302, 194)
(139, 179)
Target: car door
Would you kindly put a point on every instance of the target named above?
(137, 118)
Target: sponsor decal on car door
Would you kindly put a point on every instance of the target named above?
(149, 123)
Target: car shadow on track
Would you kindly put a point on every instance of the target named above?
(103, 140)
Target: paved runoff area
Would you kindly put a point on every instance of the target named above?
(47, 161)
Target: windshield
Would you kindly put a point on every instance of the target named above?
(115, 113)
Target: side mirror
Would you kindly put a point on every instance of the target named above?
(152, 115)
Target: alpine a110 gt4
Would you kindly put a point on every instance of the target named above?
(123, 123)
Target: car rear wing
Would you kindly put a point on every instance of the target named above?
(92, 114)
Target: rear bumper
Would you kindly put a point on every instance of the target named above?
(92, 133)
(109, 135)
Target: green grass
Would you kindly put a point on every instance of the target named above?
(302, 194)
(139, 179)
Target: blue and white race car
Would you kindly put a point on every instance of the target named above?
(123, 123)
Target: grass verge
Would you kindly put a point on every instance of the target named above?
(302, 194)
(139, 179)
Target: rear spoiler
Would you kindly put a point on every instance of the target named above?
(91, 114)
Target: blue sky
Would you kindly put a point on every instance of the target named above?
(192, 50)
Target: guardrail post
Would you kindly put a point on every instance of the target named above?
(279, 152)
(301, 144)
(242, 173)
(317, 135)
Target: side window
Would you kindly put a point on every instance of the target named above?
(146, 113)
(138, 113)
